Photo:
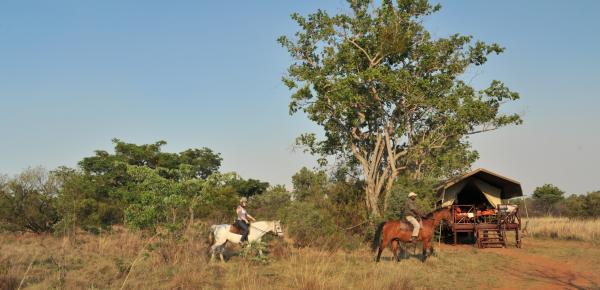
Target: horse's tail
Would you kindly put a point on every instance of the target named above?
(377, 237)
(211, 235)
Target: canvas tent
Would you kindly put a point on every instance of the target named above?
(478, 186)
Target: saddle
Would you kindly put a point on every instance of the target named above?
(409, 225)
(235, 229)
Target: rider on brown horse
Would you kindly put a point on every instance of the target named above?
(411, 213)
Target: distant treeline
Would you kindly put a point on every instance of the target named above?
(549, 200)
(141, 187)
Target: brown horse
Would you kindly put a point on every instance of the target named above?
(400, 231)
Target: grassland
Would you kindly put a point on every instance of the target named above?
(564, 228)
(132, 260)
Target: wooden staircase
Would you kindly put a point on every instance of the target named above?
(490, 236)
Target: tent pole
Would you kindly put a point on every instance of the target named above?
(440, 236)
(525, 204)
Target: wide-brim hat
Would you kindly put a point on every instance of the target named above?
(411, 194)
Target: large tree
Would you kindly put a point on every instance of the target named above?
(388, 94)
(547, 196)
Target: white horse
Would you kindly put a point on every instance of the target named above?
(221, 234)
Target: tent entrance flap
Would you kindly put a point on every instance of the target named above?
(451, 194)
(491, 193)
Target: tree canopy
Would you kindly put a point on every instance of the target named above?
(388, 94)
(547, 196)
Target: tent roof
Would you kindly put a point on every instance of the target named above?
(510, 188)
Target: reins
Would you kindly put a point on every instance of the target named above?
(265, 231)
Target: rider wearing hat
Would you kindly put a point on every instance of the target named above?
(242, 219)
(411, 213)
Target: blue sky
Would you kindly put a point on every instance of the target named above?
(75, 74)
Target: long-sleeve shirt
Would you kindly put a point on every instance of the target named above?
(410, 208)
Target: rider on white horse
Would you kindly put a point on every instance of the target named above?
(242, 219)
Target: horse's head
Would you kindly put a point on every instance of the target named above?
(444, 214)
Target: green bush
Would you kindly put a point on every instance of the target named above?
(310, 225)
(271, 204)
(28, 202)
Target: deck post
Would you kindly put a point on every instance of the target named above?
(440, 237)
(454, 232)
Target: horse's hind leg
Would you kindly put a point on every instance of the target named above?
(381, 246)
(379, 253)
(395, 249)
(402, 252)
(212, 250)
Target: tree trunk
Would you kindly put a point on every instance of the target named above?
(372, 198)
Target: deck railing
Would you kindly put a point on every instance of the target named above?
(469, 214)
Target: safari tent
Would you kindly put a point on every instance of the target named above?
(479, 206)
(479, 186)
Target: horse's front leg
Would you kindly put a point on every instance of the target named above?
(260, 252)
(221, 250)
(425, 247)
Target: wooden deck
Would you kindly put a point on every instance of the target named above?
(488, 227)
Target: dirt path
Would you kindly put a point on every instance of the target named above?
(545, 268)
(532, 271)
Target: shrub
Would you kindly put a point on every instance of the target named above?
(310, 225)
(270, 205)
(252, 252)
(28, 201)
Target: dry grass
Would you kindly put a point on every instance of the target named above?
(564, 228)
(132, 260)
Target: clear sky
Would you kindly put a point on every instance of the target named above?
(75, 74)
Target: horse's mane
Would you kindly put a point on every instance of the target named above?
(429, 216)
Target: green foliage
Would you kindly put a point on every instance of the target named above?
(28, 201)
(191, 163)
(268, 205)
(547, 196)
(88, 201)
(143, 187)
(249, 187)
(138, 185)
(217, 200)
(252, 252)
(308, 224)
(309, 184)
(389, 94)
(314, 225)
(583, 206)
(424, 188)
